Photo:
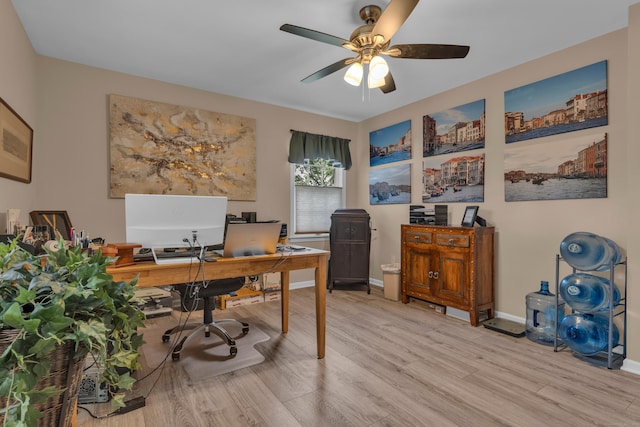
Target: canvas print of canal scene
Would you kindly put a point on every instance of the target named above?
(457, 129)
(564, 103)
(448, 179)
(390, 185)
(391, 144)
(575, 168)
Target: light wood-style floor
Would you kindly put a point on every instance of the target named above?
(387, 364)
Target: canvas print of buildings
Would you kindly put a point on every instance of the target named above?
(457, 129)
(390, 185)
(447, 179)
(564, 103)
(390, 144)
(574, 168)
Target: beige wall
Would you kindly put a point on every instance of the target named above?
(628, 222)
(71, 162)
(71, 171)
(18, 89)
(528, 234)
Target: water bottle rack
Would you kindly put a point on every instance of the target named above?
(614, 354)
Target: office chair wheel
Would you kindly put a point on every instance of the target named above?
(233, 350)
(245, 330)
(165, 338)
(175, 356)
(207, 334)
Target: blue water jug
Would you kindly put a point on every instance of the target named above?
(587, 334)
(588, 251)
(542, 312)
(588, 293)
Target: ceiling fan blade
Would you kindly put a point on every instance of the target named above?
(314, 35)
(427, 51)
(389, 84)
(337, 66)
(393, 17)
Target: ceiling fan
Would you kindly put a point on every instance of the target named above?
(372, 40)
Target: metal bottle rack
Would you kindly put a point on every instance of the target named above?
(614, 354)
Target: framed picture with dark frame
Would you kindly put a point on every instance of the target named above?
(470, 214)
(16, 144)
(57, 221)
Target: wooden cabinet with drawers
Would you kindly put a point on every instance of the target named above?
(451, 266)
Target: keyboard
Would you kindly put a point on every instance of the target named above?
(177, 260)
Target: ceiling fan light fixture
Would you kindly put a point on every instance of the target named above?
(378, 68)
(375, 83)
(353, 76)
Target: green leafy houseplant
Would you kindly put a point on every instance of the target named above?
(62, 296)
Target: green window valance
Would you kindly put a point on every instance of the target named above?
(305, 145)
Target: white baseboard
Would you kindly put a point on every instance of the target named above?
(511, 317)
(631, 366)
(300, 285)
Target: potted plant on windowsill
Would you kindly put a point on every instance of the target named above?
(63, 299)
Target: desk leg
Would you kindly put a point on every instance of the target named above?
(321, 304)
(284, 301)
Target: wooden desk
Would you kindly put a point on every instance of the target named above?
(151, 274)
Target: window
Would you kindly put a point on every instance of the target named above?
(317, 190)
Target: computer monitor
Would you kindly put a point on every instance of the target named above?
(172, 221)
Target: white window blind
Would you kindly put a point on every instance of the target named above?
(314, 206)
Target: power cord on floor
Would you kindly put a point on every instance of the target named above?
(129, 405)
(140, 401)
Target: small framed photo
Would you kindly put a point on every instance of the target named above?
(56, 221)
(16, 143)
(470, 214)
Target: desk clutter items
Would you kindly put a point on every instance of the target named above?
(431, 215)
(13, 221)
(418, 214)
(154, 301)
(122, 251)
(257, 289)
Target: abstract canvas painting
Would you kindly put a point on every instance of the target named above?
(158, 148)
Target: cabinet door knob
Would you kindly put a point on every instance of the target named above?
(435, 274)
(430, 275)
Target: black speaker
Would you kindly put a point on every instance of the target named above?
(249, 216)
(442, 216)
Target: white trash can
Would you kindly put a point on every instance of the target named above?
(391, 281)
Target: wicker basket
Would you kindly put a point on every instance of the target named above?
(65, 374)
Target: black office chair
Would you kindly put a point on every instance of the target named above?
(213, 288)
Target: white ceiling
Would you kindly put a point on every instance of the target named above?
(235, 47)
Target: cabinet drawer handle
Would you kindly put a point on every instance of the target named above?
(451, 241)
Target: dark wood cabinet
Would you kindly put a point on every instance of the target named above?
(451, 266)
(350, 245)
